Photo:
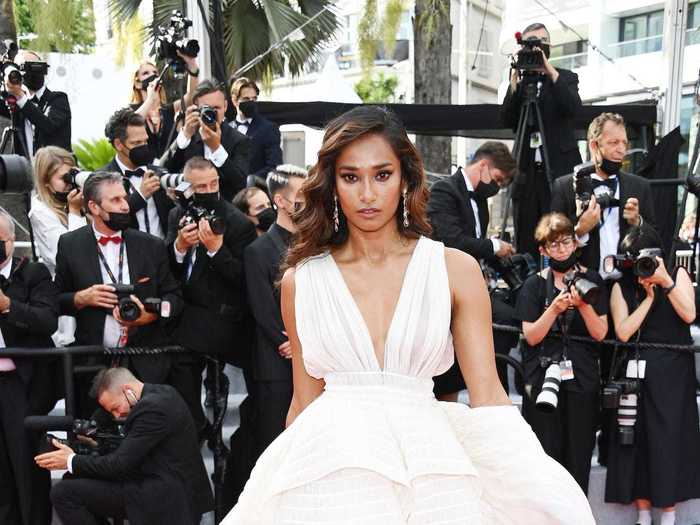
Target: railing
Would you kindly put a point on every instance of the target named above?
(638, 46)
(572, 61)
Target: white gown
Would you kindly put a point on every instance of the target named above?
(377, 447)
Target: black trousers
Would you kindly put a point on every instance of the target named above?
(272, 399)
(88, 501)
(568, 433)
(531, 200)
(186, 377)
(24, 487)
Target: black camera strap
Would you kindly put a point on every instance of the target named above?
(103, 259)
(563, 321)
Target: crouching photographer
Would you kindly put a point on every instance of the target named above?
(206, 238)
(564, 299)
(655, 450)
(155, 475)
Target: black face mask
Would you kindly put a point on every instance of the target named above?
(487, 190)
(266, 218)
(141, 155)
(249, 108)
(3, 252)
(118, 221)
(610, 167)
(34, 81)
(61, 196)
(210, 201)
(565, 265)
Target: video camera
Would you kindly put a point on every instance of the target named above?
(643, 265)
(528, 59)
(90, 438)
(583, 188)
(173, 38)
(587, 290)
(184, 194)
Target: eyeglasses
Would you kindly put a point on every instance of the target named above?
(566, 242)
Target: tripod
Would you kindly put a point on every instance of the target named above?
(530, 114)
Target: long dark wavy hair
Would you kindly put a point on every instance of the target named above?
(314, 221)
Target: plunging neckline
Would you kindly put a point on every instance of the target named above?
(363, 322)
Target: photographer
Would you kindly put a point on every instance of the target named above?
(43, 117)
(558, 101)
(28, 317)
(210, 267)
(459, 213)
(255, 204)
(149, 204)
(206, 134)
(148, 99)
(265, 149)
(156, 475)
(92, 262)
(629, 196)
(659, 466)
(550, 302)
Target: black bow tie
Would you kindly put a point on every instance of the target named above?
(610, 183)
(471, 194)
(135, 173)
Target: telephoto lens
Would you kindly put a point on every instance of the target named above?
(549, 396)
(626, 418)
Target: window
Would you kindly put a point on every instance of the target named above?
(484, 58)
(641, 33)
(569, 55)
(692, 35)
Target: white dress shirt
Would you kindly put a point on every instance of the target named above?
(242, 124)
(217, 157)
(155, 227)
(475, 210)
(608, 229)
(28, 126)
(6, 364)
(113, 329)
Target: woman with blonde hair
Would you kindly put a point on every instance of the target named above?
(56, 208)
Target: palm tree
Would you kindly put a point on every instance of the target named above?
(7, 21)
(244, 29)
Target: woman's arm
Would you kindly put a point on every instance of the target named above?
(627, 324)
(536, 331)
(192, 81)
(306, 388)
(682, 296)
(471, 330)
(597, 325)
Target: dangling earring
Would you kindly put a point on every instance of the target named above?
(336, 221)
(405, 209)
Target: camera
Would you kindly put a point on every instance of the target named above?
(173, 38)
(76, 178)
(209, 116)
(643, 265)
(194, 213)
(528, 58)
(92, 438)
(583, 188)
(548, 398)
(8, 69)
(15, 174)
(587, 290)
(622, 394)
(167, 179)
(128, 309)
(514, 269)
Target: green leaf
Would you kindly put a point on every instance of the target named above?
(93, 154)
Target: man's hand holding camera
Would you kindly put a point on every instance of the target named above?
(631, 212)
(589, 219)
(97, 296)
(4, 302)
(208, 238)
(56, 459)
(143, 319)
(149, 184)
(546, 69)
(187, 237)
(193, 122)
(14, 89)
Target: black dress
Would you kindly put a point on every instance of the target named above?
(568, 433)
(663, 464)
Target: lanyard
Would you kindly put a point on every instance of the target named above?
(121, 262)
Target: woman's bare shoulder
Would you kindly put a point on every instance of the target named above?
(463, 271)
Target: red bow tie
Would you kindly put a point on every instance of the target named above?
(105, 239)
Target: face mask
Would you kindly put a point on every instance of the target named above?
(61, 196)
(34, 81)
(563, 266)
(117, 221)
(487, 190)
(610, 167)
(266, 218)
(207, 200)
(249, 108)
(141, 155)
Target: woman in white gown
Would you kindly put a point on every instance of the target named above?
(372, 308)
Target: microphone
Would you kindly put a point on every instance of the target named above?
(64, 423)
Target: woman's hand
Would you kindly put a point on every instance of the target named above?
(75, 202)
(648, 286)
(661, 275)
(561, 303)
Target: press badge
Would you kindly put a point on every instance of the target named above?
(567, 370)
(635, 370)
(535, 140)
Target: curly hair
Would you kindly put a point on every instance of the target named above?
(314, 221)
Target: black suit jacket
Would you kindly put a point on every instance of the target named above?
(51, 119)
(558, 102)
(33, 314)
(262, 265)
(136, 202)
(265, 149)
(214, 318)
(563, 201)
(452, 217)
(158, 461)
(78, 267)
(233, 172)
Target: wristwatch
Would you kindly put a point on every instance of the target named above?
(668, 290)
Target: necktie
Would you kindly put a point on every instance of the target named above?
(133, 173)
(610, 183)
(105, 239)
